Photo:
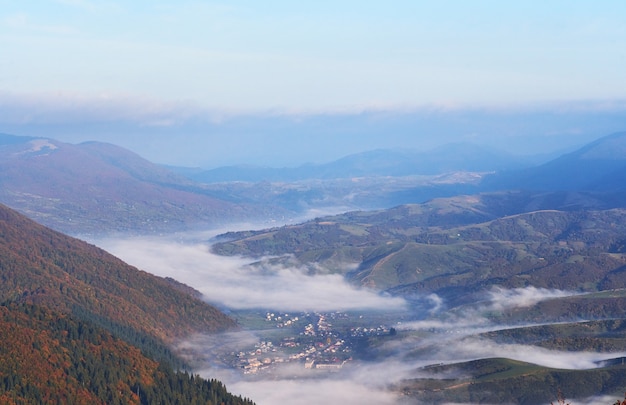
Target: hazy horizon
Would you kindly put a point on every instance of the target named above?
(281, 84)
(275, 140)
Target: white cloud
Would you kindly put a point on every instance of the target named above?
(501, 298)
(437, 303)
(323, 391)
(572, 360)
(234, 283)
(454, 335)
(73, 108)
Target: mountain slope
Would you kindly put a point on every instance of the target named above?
(78, 325)
(43, 267)
(598, 166)
(455, 247)
(95, 188)
(505, 381)
(54, 358)
(381, 162)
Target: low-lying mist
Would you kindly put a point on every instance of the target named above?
(234, 282)
(435, 335)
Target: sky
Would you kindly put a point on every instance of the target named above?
(168, 79)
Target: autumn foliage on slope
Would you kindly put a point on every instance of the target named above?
(54, 358)
(79, 326)
(41, 266)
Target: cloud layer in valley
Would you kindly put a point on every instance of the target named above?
(234, 283)
(441, 337)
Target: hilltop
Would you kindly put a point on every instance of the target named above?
(456, 246)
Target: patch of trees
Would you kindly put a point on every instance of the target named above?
(55, 358)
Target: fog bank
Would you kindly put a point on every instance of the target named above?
(234, 283)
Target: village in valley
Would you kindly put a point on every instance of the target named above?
(315, 341)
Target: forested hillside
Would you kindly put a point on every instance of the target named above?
(78, 325)
(44, 267)
(54, 358)
(457, 246)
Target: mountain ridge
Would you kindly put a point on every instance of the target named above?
(594, 167)
(378, 162)
(454, 247)
(95, 188)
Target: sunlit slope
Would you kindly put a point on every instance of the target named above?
(505, 381)
(49, 357)
(79, 326)
(43, 267)
(97, 188)
(456, 246)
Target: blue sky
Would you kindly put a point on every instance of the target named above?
(166, 63)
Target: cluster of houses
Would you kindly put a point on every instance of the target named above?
(375, 331)
(312, 340)
(282, 321)
(315, 344)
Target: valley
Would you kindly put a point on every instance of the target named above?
(312, 341)
(312, 203)
(467, 355)
(548, 334)
(461, 293)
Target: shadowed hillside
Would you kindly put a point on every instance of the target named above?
(598, 166)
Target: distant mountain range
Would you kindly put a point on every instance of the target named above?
(80, 326)
(598, 166)
(384, 178)
(572, 206)
(96, 188)
(393, 163)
